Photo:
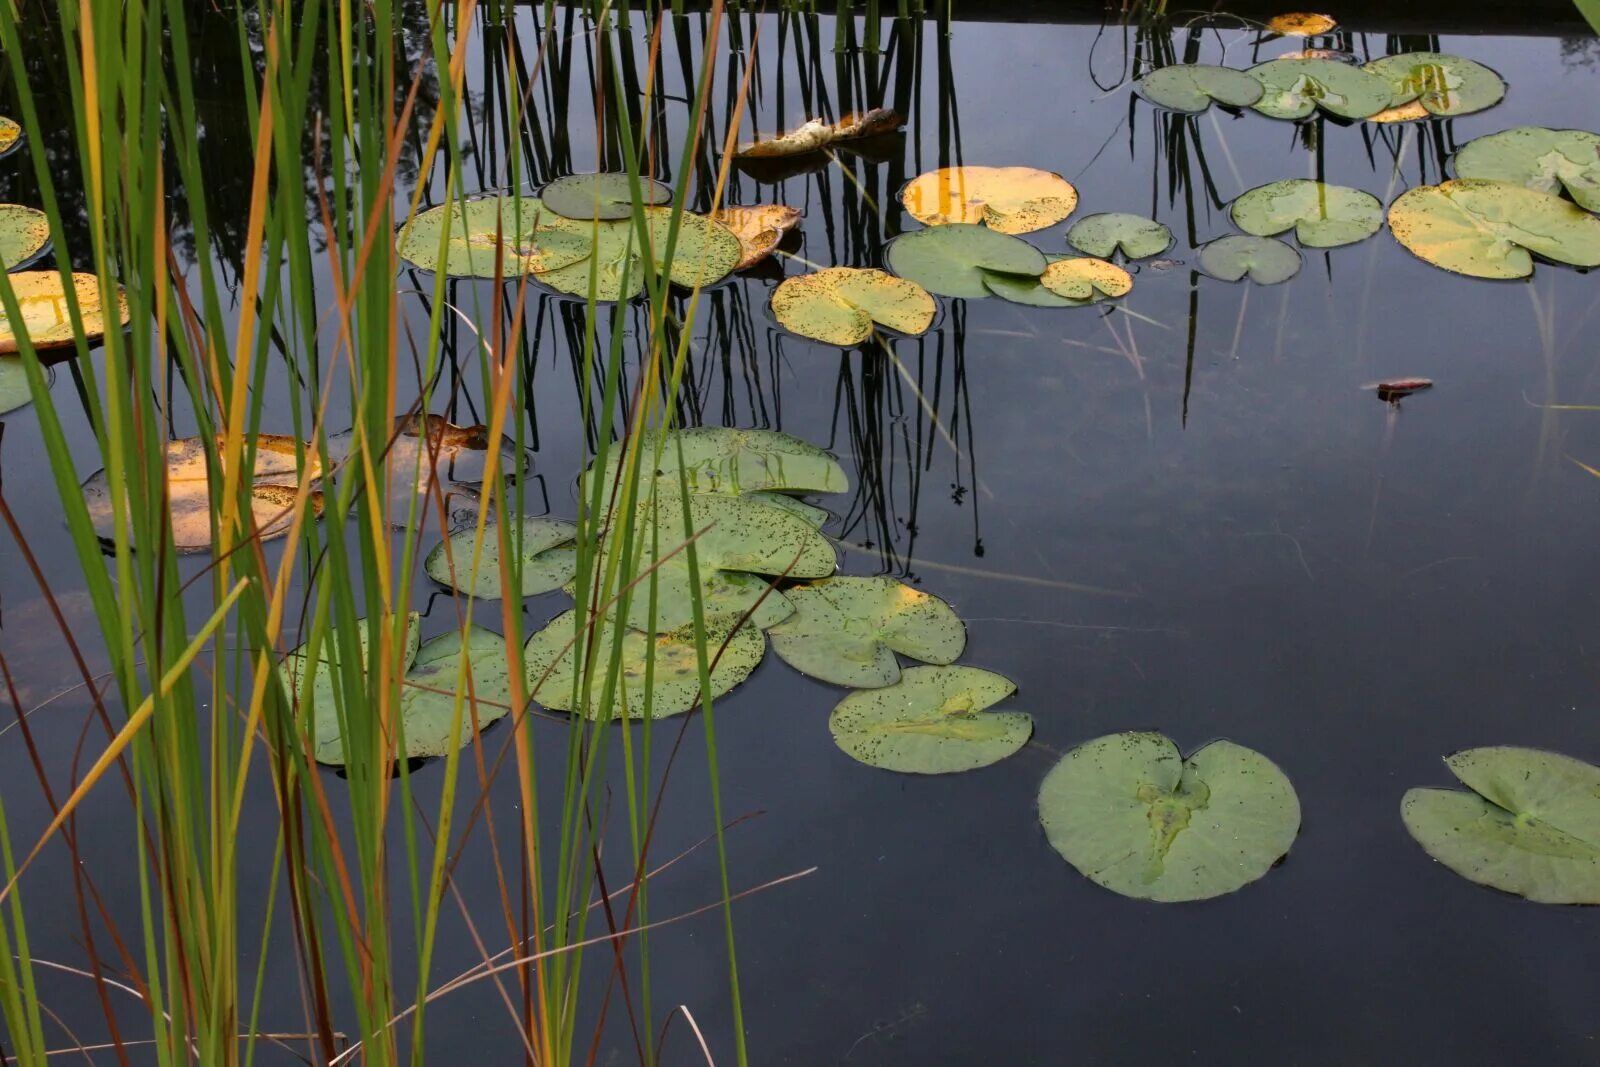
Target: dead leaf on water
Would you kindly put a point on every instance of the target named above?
(1301, 24)
(816, 134)
(759, 228)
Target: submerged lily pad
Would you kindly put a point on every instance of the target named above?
(46, 318)
(10, 136)
(1006, 199)
(1488, 229)
(24, 235)
(327, 741)
(434, 452)
(847, 630)
(1444, 85)
(759, 228)
(1546, 160)
(1408, 112)
(717, 459)
(520, 232)
(13, 385)
(705, 253)
(1104, 234)
(1191, 87)
(557, 663)
(954, 259)
(1295, 88)
(1264, 260)
(839, 305)
(932, 721)
(1321, 215)
(606, 196)
(1301, 24)
(549, 558)
(1132, 815)
(1529, 826)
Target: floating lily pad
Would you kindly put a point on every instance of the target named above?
(1321, 215)
(432, 452)
(549, 558)
(1005, 199)
(13, 385)
(1134, 235)
(932, 721)
(839, 305)
(705, 253)
(717, 459)
(46, 318)
(428, 705)
(327, 741)
(759, 228)
(10, 136)
(1302, 24)
(606, 196)
(1409, 112)
(1131, 814)
(954, 259)
(24, 235)
(1488, 229)
(521, 232)
(1030, 290)
(272, 491)
(810, 514)
(1263, 260)
(556, 665)
(1191, 87)
(1295, 88)
(814, 135)
(1529, 826)
(1546, 160)
(847, 630)
(1444, 85)
(1086, 280)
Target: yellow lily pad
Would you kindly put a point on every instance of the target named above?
(1490, 229)
(1008, 199)
(1086, 279)
(10, 136)
(759, 228)
(839, 305)
(45, 316)
(1302, 24)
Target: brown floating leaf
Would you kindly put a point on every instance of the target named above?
(759, 228)
(1301, 24)
(1398, 388)
(815, 134)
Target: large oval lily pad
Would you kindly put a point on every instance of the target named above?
(719, 459)
(1444, 85)
(327, 744)
(1546, 160)
(24, 235)
(544, 547)
(1529, 826)
(521, 232)
(10, 136)
(759, 228)
(1295, 88)
(1264, 260)
(1132, 815)
(954, 259)
(1191, 87)
(606, 196)
(705, 253)
(1489, 229)
(1321, 215)
(1104, 234)
(1005, 199)
(46, 318)
(426, 453)
(932, 721)
(846, 630)
(557, 665)
(839, 305)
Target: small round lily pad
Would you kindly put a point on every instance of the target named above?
(1444, 85)
(10, 136)
(846, 630)
(1321, 215)
(1542, 159)
(1295, 88)
(1191, 87)
(1086, 280)
(1489, 229)
(840, 305)
(520, 232)
(1132, 815)
(24, 235)
(605, 196)
(954, 259)
(46, 319)
(759, 228)
(428, 698)
(327, 741)
(544, 546)
(1529, 825)
(1005, 199)
(1264, 260)
(730, 461)
(934, 720)
(13, 385)
(1104, 234)
(705, 253)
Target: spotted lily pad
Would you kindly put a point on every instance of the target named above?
(428, 453)
(932, 721)
(10, 136)
(24, 235)
(954, 259)
(521, 232)
(1546, 160)
(1321, 215)
(326, 739)
(1301, 24)
(717, 459)
(847, 630)
(1263, 260)
(607, 196)
(810, 514)
(1444, 85)
(1295, 88)
(839, 305)
(1104, 234)
(46, 319)
(1489, 229)
(1005, 199)
(548, 558)
(759, 228)
(557, 664)
(705, 253)
(1030, 290)
(1530, 824)
(1191, 87)
(1086, 280)
(1131, 814)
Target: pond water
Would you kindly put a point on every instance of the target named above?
(1183, 515)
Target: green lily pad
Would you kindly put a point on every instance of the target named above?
(428, 709)
(328, 745)
(847, 630)
(706, 253)
(549, 558)
(1134, 235)
(556, 665)
(1191, 87)
(1030, 290)
(1489, 229)
(1529, 826)
(1295, 88)
(433, 453)
(1263, 260)
(24, 235)
(717, 459)
(13, 385)
(954, 259)
(1546, 160)
(601, 196)
(526, 237)
(932, 721)
(808, 513)
(839, 305)
(1132, 815)
(1321, 215)
(1443, 85)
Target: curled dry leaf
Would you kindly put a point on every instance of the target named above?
(46, 318)
(1007, 199)
(815, 134)
(759, 228)
(1394, 389)
(10, 136)
(1301, 24)
(839, 305)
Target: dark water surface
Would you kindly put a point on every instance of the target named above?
(1184, 516)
